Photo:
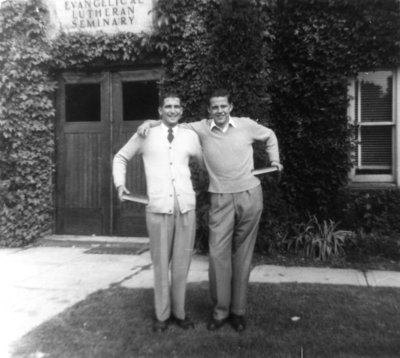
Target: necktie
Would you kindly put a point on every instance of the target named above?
(170, 135)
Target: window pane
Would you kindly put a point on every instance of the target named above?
(140, 100)
(376, 146)
(82, 102)
(376, 96)
(374, 105)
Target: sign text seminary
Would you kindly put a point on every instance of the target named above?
(108, 16)
(101, 13)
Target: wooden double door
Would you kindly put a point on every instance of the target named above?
(96, 115)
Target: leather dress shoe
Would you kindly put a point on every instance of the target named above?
(215, 324)
(185, 323)
(238, 322)
(160, 326)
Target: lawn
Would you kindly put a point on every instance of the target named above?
(334, 321)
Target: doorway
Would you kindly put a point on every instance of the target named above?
(97, 114)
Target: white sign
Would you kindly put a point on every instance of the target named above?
(110, 16)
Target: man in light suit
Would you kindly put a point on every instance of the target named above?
(170, 213)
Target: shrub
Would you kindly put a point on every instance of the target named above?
(364, 246)
(369, 210)
(278, 217)
(318, 240)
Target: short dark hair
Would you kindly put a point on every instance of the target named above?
(220, 92)
(169, 94)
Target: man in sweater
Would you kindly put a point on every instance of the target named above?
(170, 213)
(236, 203)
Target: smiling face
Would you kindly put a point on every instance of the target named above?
(171, 111)
(220, 109)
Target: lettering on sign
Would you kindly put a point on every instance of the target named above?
(109, 16)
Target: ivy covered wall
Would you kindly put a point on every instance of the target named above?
(318, 47)
(286, 63)
(26, 125)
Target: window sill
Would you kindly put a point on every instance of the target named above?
(371, 186)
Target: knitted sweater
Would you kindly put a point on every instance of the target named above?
(166, 167)
(229, 156)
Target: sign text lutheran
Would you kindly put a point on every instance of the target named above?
(109, 16)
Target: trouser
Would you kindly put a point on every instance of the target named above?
(233, 224)
(171, 244)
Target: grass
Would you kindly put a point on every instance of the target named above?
(335, 321)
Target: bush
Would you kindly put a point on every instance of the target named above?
(364, 246)
(369, 210)
(318, 240)
(277, 219)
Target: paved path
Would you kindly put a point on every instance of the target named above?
(41, 281)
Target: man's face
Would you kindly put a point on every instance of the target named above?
(219, 110)
(171, 111)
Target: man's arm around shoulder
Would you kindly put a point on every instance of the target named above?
(144, 129)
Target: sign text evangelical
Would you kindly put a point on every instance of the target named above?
(109, 16)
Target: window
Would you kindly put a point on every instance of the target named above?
(140, 100)
(82, 102)
(373, 111)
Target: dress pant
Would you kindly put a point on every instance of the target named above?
(233, 225)
(171, 246)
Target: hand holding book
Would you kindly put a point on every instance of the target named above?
(125, 195)
(275, 167)
(143, 199)
(264, 170)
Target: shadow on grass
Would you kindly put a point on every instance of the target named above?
(335, 321)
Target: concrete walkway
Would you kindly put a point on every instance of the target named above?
(41, 281)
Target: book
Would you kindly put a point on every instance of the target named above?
(264, 170)
(143, 199)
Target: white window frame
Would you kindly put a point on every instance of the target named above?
(393, 178)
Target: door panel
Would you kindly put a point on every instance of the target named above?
(97, 114)
(135, 98)
(82, 189)
(83, 137)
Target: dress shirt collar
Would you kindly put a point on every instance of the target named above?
(231, 122)
(165, 129)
